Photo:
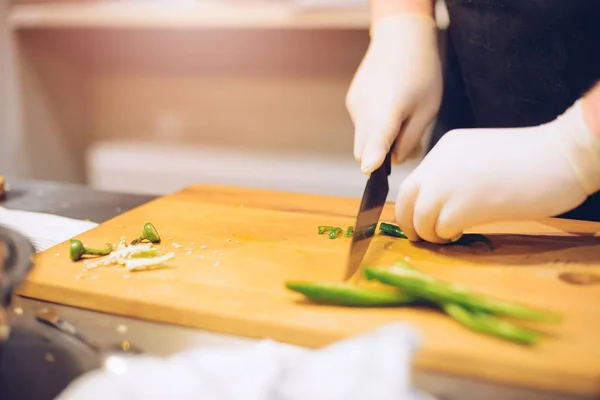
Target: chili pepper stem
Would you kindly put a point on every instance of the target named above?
(77, 250)
(98, 252)
(149, 233)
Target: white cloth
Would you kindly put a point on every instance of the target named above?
(397, 89)
(375, 365)
(477, 176)
(43, 230)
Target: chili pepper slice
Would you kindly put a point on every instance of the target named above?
(349, 231)
(345, 294)
(392, 230)
(324, 228)
(335, 232)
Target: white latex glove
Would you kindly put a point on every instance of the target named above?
(477, 176)
(397, 89)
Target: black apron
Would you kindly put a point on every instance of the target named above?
(517, 63)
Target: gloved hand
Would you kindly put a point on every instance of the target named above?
(396, 90)
(476, 176)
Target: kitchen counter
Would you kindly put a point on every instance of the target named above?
(160, 339)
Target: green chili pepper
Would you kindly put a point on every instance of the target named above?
(324, 228)
(490, 325)
(335, 232)
(470, 238)
(392, 230)
(465, 240)
(416, 283)
(77, 250)
(149, 233)
(349, 231)
(346, 294)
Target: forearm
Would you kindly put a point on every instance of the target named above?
(383, 8)
(591, 109)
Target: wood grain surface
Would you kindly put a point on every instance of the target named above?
(236, 248)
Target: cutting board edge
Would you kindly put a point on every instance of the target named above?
(425, 359)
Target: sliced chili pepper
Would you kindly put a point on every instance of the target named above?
(465, 240)
(324, 228)
(470, 238)
(349, 231)
(335, 232)
(392, 230)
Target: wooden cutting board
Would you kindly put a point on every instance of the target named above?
(236, 247)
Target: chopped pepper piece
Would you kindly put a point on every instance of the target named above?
(335, 232)
(349, 231)
(324, 228)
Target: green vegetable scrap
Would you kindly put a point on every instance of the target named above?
(349, 295)
(77, 250)
(335, 232)
(417, 283)
(149, 233)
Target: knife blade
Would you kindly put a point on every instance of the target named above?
(371, 206)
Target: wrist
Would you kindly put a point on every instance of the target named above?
(591, 110)
(382, 9)
(581, 146)
(398, 24)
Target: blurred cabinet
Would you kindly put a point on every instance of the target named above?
(94, 81)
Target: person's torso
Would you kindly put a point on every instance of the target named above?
(513, 63)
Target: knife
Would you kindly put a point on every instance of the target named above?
(371, 206)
